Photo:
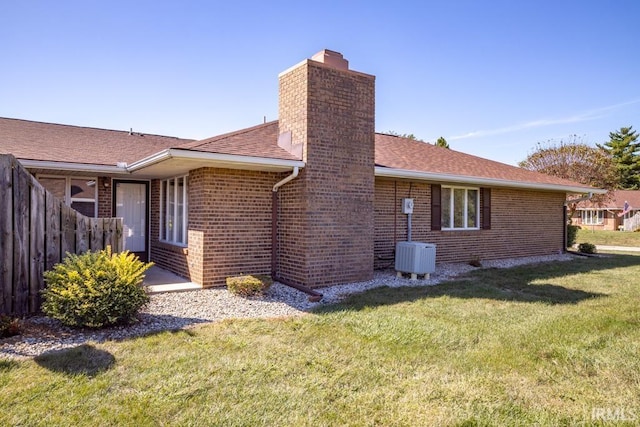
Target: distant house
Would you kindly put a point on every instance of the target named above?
(313, 198)
(609, 215)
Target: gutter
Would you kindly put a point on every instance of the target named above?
(489, 182)
(176, 153)
(73, 167)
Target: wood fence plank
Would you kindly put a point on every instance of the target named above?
(53, 227)
(83, 234)
(21, 201)
(110, 233)
(36, 242)
(6, 235)
(119, 243)
(68, 230)
(97, 234)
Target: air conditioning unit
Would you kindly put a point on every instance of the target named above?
(415, 258)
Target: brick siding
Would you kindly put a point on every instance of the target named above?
(524, 223)
(229, 226)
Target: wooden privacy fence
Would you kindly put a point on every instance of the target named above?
(36, 231)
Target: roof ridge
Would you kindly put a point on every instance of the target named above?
(93, 128)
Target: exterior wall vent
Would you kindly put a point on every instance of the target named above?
(415, 258)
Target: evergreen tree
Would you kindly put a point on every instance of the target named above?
(441, 142)
(624, 149)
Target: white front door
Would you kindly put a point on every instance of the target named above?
(131, 206)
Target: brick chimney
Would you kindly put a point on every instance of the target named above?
(326, 224)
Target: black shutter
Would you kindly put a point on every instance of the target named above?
(485, 200)
(436, 208)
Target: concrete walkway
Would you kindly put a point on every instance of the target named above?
(158, 280)
(617, 248)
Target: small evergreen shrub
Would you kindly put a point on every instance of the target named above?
(248, 286)
(95, 289)
(8, 326)
(587, 248)
(572, 233)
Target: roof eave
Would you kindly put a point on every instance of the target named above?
(72, 167)
(386, 172)
(234, 160)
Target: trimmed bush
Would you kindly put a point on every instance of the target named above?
(572, 233)
(248, 286)
(587, 248)
(95, 289)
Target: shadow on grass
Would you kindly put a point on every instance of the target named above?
(82, 360)
(505, 284)
(7, 365)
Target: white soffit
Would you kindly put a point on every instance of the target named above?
(470, 180)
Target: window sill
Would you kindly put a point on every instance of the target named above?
(173, 247)
(461, 229)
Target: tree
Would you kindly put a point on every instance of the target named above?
(625, 152)
(576, 161)
(441, 142)
(404, 135)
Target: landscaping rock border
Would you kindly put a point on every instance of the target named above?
(178, 310)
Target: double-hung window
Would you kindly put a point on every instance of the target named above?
(460, 208)
(173, 210)
(592, 217)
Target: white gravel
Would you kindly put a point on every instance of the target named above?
(177, 310)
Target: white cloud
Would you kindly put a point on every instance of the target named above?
(594, 114)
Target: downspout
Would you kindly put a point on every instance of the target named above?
(313, 295)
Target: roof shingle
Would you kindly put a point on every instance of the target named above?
(74, 144)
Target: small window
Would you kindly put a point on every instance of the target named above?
(592, 217)
(79, 193)
(173, 211)
(460, 208)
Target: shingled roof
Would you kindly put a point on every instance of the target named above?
(394, 156)
(52, 142)
(616, 202)
(411, 155)
(259, 141)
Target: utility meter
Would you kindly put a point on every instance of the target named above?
(407, 206)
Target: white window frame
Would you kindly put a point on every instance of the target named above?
(165, 233)
(451, 208)
(68, 200)
(588, 216)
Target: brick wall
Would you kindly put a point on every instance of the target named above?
(105, 203)
(229, 226)
(326, 214)
(523, 223)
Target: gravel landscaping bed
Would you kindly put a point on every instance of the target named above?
(177, 310)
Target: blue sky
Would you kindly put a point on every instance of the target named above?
(493, 77)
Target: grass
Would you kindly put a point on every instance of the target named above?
(608, 238)
(544, 344)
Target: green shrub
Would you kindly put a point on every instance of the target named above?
(95, 289)
(587, 248)
(572, 232)
(8, 326)
(248, 286)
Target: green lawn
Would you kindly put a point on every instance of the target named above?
(546, 344)
(609, 238)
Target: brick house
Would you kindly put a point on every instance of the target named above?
(313, 197)
(610, 214)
